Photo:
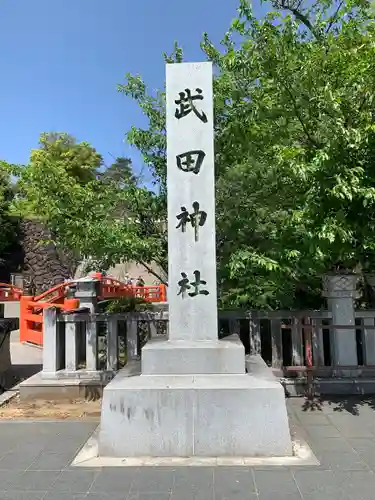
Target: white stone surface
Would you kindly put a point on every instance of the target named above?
(132, 339)
(160, 357)
(193, 397)
(51, 342)
(88, 456)
(340, 291)
(369, 341)
(193, 318)
(11, 309)
(71, 346)
(112, 344)
(91, 345)
(201, 415)
(369, 332)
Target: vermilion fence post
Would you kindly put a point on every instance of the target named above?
(163, 293)
(24, 304)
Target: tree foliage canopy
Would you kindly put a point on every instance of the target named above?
(294, 153)
(294, 140)
(94, 213)
(8, 224)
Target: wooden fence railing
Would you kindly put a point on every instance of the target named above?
(292, 342)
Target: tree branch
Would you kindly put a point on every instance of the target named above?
(154, 273)
(334, 16)
(284, 4)
(292, 98)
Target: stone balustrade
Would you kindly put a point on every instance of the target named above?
(335, 343)
(280, 337)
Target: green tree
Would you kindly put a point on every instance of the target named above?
(299, 92)
(294, 140)
(9, 227)
(120, 172)
(93, 215)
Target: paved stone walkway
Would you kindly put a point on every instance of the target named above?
(35, 458)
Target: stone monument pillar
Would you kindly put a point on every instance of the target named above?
(340, 291)
(193, 397)
(369, 330)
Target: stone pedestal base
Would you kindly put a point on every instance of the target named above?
(227, 415)
(182, 357)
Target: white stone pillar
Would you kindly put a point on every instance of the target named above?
(193, 346)
(191, 203)
(112, 344)
(51, 344)
(132, 340)
(87, 292)
(193, 397)
(92, 345)
(340, 291)
(369, 331)
(71, 346)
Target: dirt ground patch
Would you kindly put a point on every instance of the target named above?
(78, 409)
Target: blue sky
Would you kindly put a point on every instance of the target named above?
(60, 62)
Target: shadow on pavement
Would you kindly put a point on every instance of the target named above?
(18, 373)
(350, 404)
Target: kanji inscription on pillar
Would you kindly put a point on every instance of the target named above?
(192, 294)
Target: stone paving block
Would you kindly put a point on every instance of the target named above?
(270, 495)
(149, 496)
(22, 495)
(313, 419)
(16, 430)
(318, 485)
(30, 448)
(62, 445)
(60, 495)
(194, 478)
(181, 494)
(106, 496)
(323, 431)
(7, 444)
(365, 449)
(243, 495)
(75, 427)
(116, 480)
(280, 483)
(9, 479)
(18, 459)
(36, 480)
(50, 461)
(361, 443)
(354, 431)
(341, 461)
(330, 444)
(75, 481)
(345, 472)
(233, 480)
(153, 480)
(356, 485)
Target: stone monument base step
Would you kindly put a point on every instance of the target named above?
(182, 357)
(200, 415)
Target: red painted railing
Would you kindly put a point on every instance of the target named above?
(114, 289)
(31, 316)
(9, 293)
(31, 307)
